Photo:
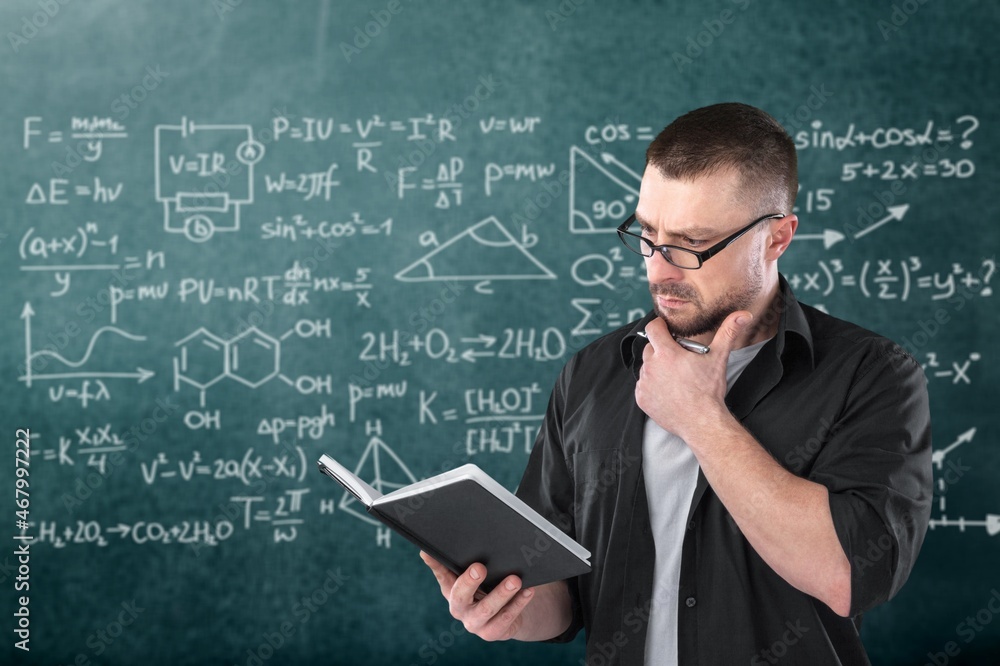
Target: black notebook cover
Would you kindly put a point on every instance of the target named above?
(461, 522)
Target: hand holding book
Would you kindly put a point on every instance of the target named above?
(530, 614)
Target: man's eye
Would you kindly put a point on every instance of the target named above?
(694, 242)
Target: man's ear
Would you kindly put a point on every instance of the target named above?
(781, 232)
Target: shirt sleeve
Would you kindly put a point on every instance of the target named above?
(547, 486)
(876, 465)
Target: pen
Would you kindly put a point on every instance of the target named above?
(690, 345)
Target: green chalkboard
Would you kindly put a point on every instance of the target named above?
(240, 234)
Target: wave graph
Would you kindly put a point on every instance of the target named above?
(31, 357)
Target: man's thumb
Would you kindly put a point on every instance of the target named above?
(735, 324)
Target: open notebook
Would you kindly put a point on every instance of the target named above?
(463, 516)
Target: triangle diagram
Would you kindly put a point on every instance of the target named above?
(601, 194)
(383, 470)
(484, 251)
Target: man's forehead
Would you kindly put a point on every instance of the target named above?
(723, 176)
(718, 193)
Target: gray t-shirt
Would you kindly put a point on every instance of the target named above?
(670, 470)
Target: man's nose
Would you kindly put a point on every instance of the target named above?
(659, 270)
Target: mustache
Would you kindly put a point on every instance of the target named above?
(680, 291)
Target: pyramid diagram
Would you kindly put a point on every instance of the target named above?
(484, 251)
(383, 470)
(605, 182)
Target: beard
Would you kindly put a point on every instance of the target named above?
(707, 317)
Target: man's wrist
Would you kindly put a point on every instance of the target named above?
(707, 423)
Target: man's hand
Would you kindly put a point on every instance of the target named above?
(676, 386)
(496, 616)
(787, 519)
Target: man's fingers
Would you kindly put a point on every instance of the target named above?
(493, 615)
(445, 578)
(506, 621)
(463, 592)
(498, 597)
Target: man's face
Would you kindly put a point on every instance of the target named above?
(697, 214)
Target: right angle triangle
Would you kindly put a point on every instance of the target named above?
(602, 192)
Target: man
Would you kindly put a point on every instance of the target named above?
(744, 505)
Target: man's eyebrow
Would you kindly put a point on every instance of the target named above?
(685, 232)
(695, 232)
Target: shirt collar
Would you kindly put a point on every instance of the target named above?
(632, 343)
(793, 320)
(792, 327)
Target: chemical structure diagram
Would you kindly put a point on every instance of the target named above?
(251, 358)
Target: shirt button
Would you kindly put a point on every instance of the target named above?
(690, 601)
(691, 524)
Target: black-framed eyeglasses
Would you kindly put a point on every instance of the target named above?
(681, 257)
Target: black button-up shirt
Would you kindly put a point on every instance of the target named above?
(831, 402)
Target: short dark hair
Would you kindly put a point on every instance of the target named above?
(731, 136)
